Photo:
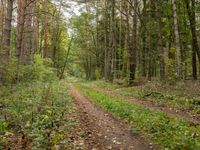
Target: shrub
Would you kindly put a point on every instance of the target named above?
(40, 70)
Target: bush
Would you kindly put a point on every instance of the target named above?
(38, 110)
(40, 70)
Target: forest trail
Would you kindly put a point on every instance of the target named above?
(170, 110)
(103, 131)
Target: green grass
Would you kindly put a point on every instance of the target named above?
(166, 131)
(37, 109)
(179, 95)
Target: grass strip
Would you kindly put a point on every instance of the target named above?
(160, 94)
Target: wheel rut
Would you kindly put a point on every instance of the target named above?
(103, 131)
(170, 110)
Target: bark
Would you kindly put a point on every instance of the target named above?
(160, 40)
(149, 42)
(4, 53)
(97, 35)
(1, 22)
(98, 46)
(106, 53)
(113, 38)
(27, 49)
(194, 65)
(36, 23)
(121, 24)
(7, 30)
(133, 46)
(177, 40)
(121, 48)
(127, 36)
(45, 46)
(20, 28)
(110, 41)
(144, 39)
(195, 46)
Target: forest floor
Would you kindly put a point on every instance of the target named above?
(170, 110)
(186, 113)
(71, 114)
(154, 114)
(102, 130)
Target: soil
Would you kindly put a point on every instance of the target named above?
(18, 141)
(102, 131)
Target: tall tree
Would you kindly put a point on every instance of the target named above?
(21, 7)
(160, 39)
(133, 44)
(4, 53)
(1, 22)
(177, 39)
(195, 47)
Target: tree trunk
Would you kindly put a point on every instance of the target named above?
(7, 30)
(27, 49)
(45, 46)
(4, 53)
(127, 38)
(143, 35)
(1, 23)
(20, 28)
(133, 46)
(113, 38)
(195, 46)
(106, 65)
(36, 23)
(149, 42)
(160, 40)
(177, 40)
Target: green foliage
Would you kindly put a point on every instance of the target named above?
(171, 65)
(40, 70)
(182, 95)
(97, 73)
(86, 53)
(11, 71)
(39, 111)
(166, 131)
(3, 125)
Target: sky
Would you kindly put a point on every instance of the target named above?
(71, 8)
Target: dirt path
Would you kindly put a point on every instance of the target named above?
(102, 130)
(180, 113)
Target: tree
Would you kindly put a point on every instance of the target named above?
(160, 40)
(177, 40)
(195, 46)
(133, 46)
(4, 53)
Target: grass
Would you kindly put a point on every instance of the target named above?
(166, 131)
(182, 95)
(38, 110)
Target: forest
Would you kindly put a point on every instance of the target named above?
(99, 74)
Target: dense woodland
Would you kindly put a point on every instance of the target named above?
(113, 39)
(139, 60)
(31, 30)
(139, 38)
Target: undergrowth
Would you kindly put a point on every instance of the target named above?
(166, 131)
(38, 111)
